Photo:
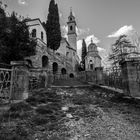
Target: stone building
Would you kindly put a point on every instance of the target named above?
(65, 59)
(92, 59)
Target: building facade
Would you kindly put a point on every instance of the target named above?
(65, 59)
(92, 59)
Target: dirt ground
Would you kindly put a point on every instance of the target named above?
(72, 114)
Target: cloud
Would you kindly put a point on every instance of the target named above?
(123, 30)
(60, 14)
(22, 2)
(94, 38)
(80, 31)
(64, 31)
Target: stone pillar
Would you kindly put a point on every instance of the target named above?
(44, 79)
(131, 77)
(20, 80)
(99, 75)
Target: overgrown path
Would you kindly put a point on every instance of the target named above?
(73, 114)
(70, 82)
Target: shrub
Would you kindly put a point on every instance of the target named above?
(22, 106)
(44, 110)
(39, 120)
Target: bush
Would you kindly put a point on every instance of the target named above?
(22, 106)
(44, 110)
(12, 136)
(39, 120)
(17, 110)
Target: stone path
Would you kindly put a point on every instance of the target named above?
(70, 82)
(100, 116)
(74, 114)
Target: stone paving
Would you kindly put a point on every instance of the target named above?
(73, 114)
(102, 116)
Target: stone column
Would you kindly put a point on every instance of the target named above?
(99, 75)
(20, 80)
(131, 77)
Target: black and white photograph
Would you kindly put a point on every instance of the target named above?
(69, 69)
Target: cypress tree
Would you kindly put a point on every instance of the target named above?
(84, 53)
(53, 27)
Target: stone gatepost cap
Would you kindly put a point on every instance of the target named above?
(19, 63)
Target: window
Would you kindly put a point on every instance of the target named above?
(58, 53)
(71, 28)
(91, 64)
(42, 35)
(67, 54)
(45, 61)
(70, 19)
(34, 33)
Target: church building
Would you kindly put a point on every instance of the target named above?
(92, 59)
(65, 60)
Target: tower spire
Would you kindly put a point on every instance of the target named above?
(91, 40)
(71, 11)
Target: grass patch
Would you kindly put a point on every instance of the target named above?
(17, 110)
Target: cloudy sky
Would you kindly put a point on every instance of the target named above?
(104, 20)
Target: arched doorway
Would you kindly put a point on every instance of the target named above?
(45, 61)
(63, 71)
(55, 68)
(71, 75)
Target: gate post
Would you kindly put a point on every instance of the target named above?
(20, 80)
(131, 77)
(99, 75)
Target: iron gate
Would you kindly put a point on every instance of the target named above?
(5, 83)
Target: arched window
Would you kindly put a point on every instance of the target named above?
(71, 75)
(42, 35)
(45, 61)
(71, 28)
(63, 71)
(34, 33)
(67, 54)
(55, 68)
(91, 64)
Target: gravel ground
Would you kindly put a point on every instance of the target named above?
(73, 114)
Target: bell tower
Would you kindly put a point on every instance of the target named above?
(72, 36)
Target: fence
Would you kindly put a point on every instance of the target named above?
(138, 74)
(113, 77)
(17, 81)
(5, 83)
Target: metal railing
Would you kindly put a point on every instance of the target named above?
(5, 83)
(113, 77)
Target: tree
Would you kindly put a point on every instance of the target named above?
(53, 27)
(84, 53)
(15, 43)
(121, 49)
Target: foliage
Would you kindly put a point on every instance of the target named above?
(22, 106)
(17, 110)
(53, 27)
(15, 43)
(84, 53)
(44, 110)
(121, 49)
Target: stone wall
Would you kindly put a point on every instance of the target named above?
(131, 77)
